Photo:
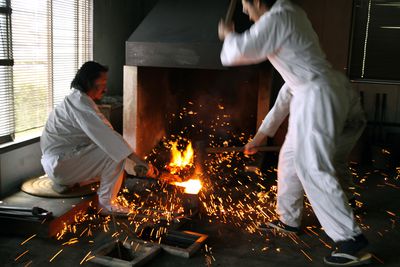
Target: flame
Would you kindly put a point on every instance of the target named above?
(191, 186)
(180, 160)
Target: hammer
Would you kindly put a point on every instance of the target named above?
(231, 10)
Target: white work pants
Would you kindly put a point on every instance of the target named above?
(89, 163)
(324, 125)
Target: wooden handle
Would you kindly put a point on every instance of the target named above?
(231, 10)
(241, 149)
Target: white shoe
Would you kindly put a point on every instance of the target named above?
(113, 209)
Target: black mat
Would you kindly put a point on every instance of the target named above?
(42, 187)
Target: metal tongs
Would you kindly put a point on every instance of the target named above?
(36, 212)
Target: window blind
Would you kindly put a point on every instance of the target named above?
(50, 40)
(375, 53)
(6, 104)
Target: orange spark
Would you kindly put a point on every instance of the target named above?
(55, 255)
(21, 255)
(28, 239)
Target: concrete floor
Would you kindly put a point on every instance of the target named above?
(228, 245)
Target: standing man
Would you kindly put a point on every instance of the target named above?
(79, 144)
(325, 121)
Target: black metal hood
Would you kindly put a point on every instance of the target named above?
(179, 34)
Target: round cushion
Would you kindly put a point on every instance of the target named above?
(42, 187)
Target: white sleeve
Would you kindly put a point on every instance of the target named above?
(99, 130)
(254, 45)
(278, 113)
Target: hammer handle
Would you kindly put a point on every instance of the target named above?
(212, 150)
(231, 10)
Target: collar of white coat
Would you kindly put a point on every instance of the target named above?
(76, 91)
(79, 93)
(83, 96)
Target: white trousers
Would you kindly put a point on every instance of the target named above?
(89, 163)
(323, 127)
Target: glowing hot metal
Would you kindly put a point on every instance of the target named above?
(192, 186)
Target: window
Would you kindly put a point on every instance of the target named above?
(6, 105)
(375, 53)
(50, 39)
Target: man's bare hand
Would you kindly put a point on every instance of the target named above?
(250, 148)
(152, 171)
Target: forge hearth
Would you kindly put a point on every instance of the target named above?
(155, 98)
(173, 67)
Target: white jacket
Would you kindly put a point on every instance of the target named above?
(76, 123)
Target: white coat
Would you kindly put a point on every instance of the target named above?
(325, 120)
(79, 144)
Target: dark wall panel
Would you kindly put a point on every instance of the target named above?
(113, 23)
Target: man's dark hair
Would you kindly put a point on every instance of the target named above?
(268, 3)
(87, 75)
